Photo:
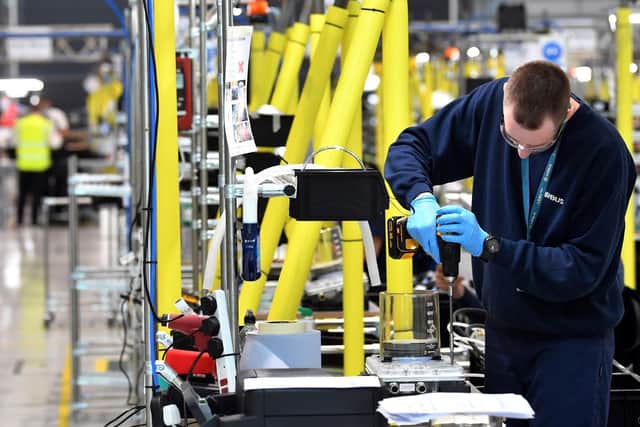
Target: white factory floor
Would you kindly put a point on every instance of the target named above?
(34, 360)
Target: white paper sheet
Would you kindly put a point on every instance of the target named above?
(408, 410)
(236, 124)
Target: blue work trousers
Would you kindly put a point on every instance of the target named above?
(565, 380)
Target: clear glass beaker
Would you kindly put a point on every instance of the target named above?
(409, 324)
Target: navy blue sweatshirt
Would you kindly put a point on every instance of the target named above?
(567, 279)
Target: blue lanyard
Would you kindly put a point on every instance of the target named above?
(530, 215)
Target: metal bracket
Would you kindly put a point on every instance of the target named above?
(264, 190)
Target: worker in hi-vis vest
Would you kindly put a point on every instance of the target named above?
(33, 160)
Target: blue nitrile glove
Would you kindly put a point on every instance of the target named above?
(422, 224)
(459, 225)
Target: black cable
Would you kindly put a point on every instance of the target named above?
(139, 408)
(192, 423)
(193, 365)
(151, 177)
(166, 350)
(122, 350)
(123, 413)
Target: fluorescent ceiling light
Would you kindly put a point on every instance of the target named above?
(582, 74)
(422, 58)
(371, 83)
(19, 88)
(634, 18)
(473, 52)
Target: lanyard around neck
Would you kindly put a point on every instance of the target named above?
(531, 213)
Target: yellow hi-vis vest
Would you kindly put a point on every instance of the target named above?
(33, 153)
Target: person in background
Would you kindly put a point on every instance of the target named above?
(57, 182)
(60, 123)
(8, 116)
(552, 182)
(33, 159)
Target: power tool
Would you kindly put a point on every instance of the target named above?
(401, 245)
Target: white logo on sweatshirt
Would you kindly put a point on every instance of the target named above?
(554, 198)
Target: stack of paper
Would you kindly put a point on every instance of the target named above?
(422, 408)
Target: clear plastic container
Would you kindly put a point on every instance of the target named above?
(409, 324)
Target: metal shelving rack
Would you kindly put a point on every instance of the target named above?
(199, 195)
(108, 282)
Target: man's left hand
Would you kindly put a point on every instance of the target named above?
(458, 225)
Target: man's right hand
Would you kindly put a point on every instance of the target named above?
(422, 224)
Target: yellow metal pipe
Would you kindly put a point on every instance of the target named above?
(316, 23)
(291, 62)
(258, 41)
(395, 83)
(352, 249)
(624, 121)
(380, 151)
(343, 108)
(428, 91)
(270, 61)
(167, 192)
(300, 134)
(354, 143)
(500, 71)
(293, 98)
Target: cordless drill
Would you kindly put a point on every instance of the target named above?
(401, 245)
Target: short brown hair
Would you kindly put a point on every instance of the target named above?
(536, 90)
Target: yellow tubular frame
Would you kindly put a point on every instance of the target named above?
(167, 193)
(291, 62)
(352, 249)
(277, 210)
(395, 102)
(624, 121)
(343, 108)
(258, 41)
(270, 62)
(316, 22)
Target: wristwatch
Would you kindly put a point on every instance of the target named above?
(490, 248)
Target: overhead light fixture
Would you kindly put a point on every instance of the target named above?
(473, 52)
(372, 82)
(612, 21)
(19, 88)
(634, 18)
(582, 74)
(422, 58)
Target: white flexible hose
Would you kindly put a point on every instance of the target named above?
(370, 254)
(268, 174)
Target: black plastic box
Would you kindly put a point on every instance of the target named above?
(339, 195)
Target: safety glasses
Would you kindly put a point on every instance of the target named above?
(529, 149)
